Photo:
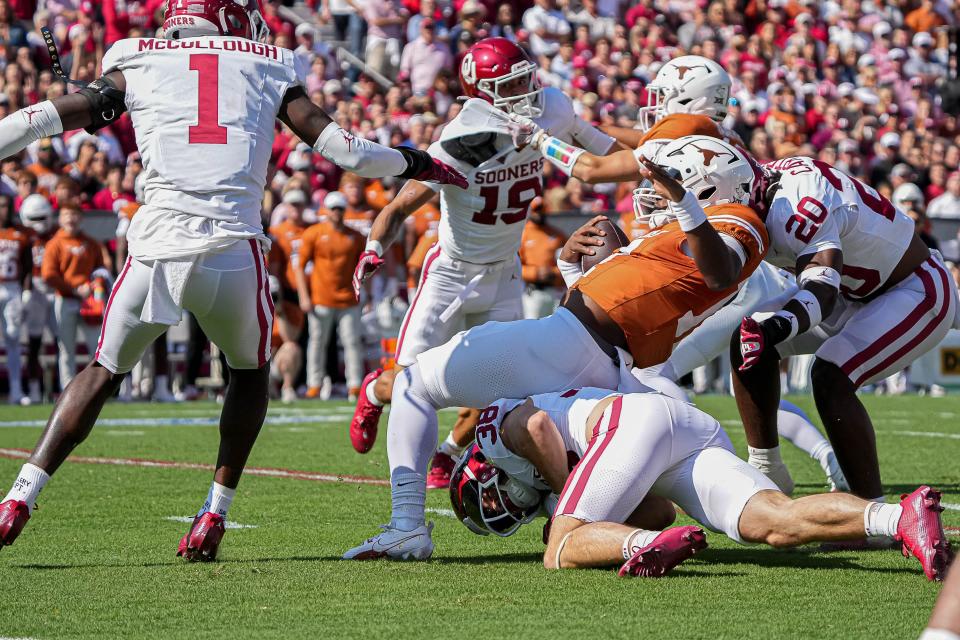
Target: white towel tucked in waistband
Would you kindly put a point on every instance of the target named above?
(168, 280)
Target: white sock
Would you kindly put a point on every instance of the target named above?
(218, 500)
(161, 383)
(637, 540)
(411, 441)
(764, 458)
(372, 396)
(939, 634)
(881, 519)
(408, 493)
(795, 427)
(450, 447)
(28, 484)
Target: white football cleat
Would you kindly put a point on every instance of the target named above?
(835, 477)
(395, 544)
(288, 395)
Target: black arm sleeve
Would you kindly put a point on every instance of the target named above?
(106, 103)
(417, 161)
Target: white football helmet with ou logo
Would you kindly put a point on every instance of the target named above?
(36, 213)
(688, 84)
(714, 171)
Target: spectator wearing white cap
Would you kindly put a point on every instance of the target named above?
(925, 61)
(908, 196)
(887, 156)
(947, 205)
(328, 252)
(547, 26)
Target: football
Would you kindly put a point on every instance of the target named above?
(614, 239)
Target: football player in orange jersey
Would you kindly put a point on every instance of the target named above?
(677, 275)
(15, 273)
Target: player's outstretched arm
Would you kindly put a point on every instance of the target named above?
(718, 263)
(628, 139)
(358, 155)
(386, 229)
(91, 108)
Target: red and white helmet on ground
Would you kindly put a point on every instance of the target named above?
(715, 172)
(192, 18)
(688, 84)
(499, 71)
(484, 498)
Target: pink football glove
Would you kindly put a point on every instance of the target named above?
(369, 262)
(442, 173)
(752, 343)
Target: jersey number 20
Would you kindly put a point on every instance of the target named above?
(208, 129)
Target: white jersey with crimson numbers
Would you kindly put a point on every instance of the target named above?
(818, 207)
(204, 111)
(484, 223)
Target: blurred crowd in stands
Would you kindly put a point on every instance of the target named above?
(865, 86)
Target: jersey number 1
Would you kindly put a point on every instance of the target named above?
(208, 129)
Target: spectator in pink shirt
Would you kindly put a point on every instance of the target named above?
(424, 58)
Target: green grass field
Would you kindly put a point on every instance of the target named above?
(97, 558)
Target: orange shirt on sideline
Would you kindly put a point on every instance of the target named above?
(286, 237)
(69, 261)
(334, 254)
(538, 249)
(14, 247)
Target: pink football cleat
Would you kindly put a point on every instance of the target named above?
(13, 516)
(201, 542)
(363, 427)
(920, 530)
(440, 470)
(670, 548)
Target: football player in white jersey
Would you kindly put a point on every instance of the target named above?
(872, 299)
(204, 101)
(690, 98)
(472, 274)
(629, 445)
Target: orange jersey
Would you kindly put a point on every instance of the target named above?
(424, 219)
(656, 294)
(69, 261)
(334, 254)
(538, 250)
(39, 244)
(286, 247)
(418, 255)
(678, 125)
(14, 253)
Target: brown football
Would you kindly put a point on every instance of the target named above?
(614, 239)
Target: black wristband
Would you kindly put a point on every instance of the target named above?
(776, 329)
(417, 161)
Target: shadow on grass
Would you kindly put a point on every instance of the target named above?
(800, 558)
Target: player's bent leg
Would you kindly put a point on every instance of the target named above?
(849, 427)
(794, 426)
(72, 419)
(654, 513)
(757, 392)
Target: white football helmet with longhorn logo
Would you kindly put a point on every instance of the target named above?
(714, 171)
(688, 84)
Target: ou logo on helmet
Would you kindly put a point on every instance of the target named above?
(468, 69)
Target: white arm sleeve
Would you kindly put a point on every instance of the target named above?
(592, 139)
(570, 271)
(359, 155)
(22, 127)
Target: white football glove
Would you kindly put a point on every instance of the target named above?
(524, 131)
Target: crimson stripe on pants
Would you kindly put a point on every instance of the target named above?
(423, 279)
(261, 314)
(106, 312)
(931, 294)
(898, 331)
(590, 461)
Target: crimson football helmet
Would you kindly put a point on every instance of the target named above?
(191, 18)
(494, 63)
(486, 500)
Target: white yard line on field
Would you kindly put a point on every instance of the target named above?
(950, 505)
(230, 524)
(177, 421)
(447, 513)
(924, 434)
(124, 432)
